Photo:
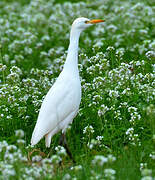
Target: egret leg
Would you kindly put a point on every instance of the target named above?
(63, 142)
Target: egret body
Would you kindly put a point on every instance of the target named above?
(62, 101)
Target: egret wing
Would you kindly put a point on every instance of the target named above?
(58, 104)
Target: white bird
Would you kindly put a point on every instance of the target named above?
(62, 101)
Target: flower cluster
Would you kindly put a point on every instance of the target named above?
(116, 65)
(88, 130)
(100, 161)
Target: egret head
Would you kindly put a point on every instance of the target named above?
(82, 23)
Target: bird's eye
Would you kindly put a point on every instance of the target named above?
(86, 22)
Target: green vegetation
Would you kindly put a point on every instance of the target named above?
(113, 136)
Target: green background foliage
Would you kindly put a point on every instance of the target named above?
(116, 64)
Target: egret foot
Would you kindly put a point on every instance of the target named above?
(63, 142)
(42, 154)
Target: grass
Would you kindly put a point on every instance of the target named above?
(113, 135)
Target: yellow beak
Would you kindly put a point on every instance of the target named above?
(94, 21)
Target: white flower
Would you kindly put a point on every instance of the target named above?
(150, 54)
(111, 158)
(102, 110)
(16, 70)
(61, 150)
(129, 131)
(132, 109)
(36, 158)
(66, 177)
(2, 67)
(92, 143)
(113, 93)
(19, 133)
(110, 48)
(8, 171)
(152, 155)
(11, 148)
(99, 138)
(146, 172)
(56, 159)
(88, 129)
(143, 165)
(76, 168)
(99, 160)
(109, 173)
(147, 178)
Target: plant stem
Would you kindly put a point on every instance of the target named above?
(1, 60)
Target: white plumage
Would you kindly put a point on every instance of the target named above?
(62, 102)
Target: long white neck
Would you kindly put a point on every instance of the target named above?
(72, 56)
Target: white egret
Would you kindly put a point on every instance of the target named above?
(62, 101)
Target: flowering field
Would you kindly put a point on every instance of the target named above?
(113, 136)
